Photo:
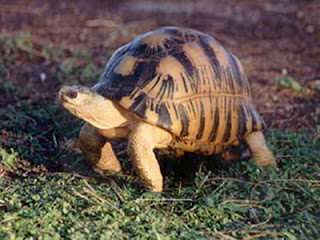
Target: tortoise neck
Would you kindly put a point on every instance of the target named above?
(103, 113)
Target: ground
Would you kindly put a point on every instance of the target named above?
(46, 191)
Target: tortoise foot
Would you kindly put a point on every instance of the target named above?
(260, 151)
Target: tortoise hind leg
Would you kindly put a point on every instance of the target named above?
(97, 151)
(259, 150)
(142, 140)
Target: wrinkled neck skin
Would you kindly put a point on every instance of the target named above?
(100, 113)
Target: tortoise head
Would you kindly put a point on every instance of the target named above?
(76, 97)
(90, 106)
(81, 101)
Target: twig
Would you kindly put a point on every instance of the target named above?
(289, 180)
(93, 193)
(120, 153)
(229, 179)
(251, 204)
(263, 234)
(117, 190)
(164, 200)
(34, 52)
(10, 219)
(2, 172)
(221, 235)
(283, 180)
(256, 233)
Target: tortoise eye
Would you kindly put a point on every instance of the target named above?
(71, 94)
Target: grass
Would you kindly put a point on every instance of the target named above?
(49, 193)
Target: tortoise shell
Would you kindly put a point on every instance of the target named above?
(183, 81)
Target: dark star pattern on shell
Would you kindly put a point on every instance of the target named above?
(186, 82)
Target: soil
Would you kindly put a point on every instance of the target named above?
(273, 39)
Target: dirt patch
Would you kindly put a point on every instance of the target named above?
(273, 39)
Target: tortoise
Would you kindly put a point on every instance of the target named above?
(172, 88)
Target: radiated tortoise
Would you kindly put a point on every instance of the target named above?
(172, 88)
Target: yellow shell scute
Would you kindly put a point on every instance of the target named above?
(126, 66)
(156, 40)
(220, 52)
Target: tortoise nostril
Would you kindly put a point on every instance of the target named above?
(71, 94)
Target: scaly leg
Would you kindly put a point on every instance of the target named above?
(259, 150)
(97, 151)
(142, 140)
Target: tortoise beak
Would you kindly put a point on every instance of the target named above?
(67, 93)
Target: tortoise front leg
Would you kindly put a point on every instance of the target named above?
(97, 150)
(259, 150)
(142, 140)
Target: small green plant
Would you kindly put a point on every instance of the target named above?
(9, 159)
(115, 35)
(289, 82)
(90, 72)
(68, 65)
